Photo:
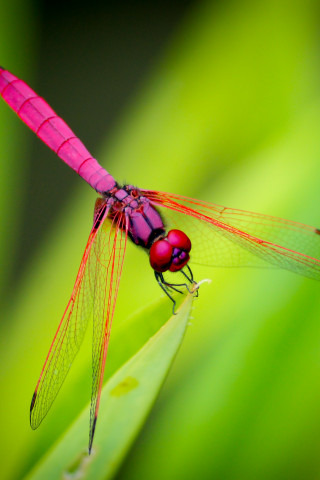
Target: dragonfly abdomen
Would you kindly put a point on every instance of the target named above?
(53, 131)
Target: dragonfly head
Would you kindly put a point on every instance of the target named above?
(171, 252)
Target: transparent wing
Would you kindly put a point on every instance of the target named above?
(71, 330)
(230, 238)
(106, 267)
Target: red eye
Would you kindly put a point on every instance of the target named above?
(160, 255)
(179, 239)
(170, 253)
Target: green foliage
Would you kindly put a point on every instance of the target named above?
(125, 401)
(229, 114)
(16, 27)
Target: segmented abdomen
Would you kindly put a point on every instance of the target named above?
(53, 131)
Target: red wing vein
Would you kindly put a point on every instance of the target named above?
(228, 237)
(67, 340)
(109, 254)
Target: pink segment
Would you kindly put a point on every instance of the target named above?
(53, 131)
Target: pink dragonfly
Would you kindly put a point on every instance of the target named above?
(164, 224)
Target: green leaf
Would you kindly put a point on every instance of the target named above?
(125, 402)
(229, 114)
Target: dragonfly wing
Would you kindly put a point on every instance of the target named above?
(106, 267)
(71, 330)
(228, 237)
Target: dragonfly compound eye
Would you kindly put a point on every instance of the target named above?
(178, 239)
(161, 255)
(170, 253)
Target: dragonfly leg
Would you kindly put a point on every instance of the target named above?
(191, 273)
(174, 285)
(171, 286)
(162, 283)
(190, 279)
(166, 286)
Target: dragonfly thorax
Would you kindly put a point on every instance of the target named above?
(143, 221)
(145, 227)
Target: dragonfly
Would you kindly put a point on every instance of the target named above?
(174, 230)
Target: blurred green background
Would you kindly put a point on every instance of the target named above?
(214, 100)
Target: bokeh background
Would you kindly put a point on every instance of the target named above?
(215, 100)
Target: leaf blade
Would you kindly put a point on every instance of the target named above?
(125, 403)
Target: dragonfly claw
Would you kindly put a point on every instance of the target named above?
(166, 287)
